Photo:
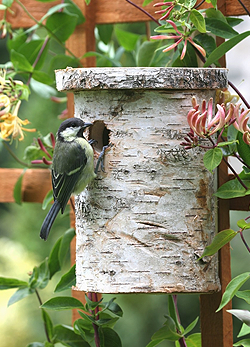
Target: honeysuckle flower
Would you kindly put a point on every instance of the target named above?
(178, 39)
(4, 104)
(203, 123)
(168, 10)
(11, 126)
(241, 121)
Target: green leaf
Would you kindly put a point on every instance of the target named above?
(17, 193)
(245, 330)
(62, 25)
(87, 317)
(54, 263)
(217, 14)
(20, 294)
(242, 343)
(40, 276)
(48, 324)
(193, 340)
(220, 239)
(154, 343)
(84, 328)
(220, 28)
(43, 90)
(231, 189)
(32, 153)
(146, 53)
(198, 20)
(146, 2)
(61, 61)
(242, 224)
(191, 326)
(234, 21)
(190, 3)
(243, 149)
(20, 63)
(67, 281)
(113, 307)
(53, 9)
(225, 47)
(190, 58)
(91, 305)
(212, 158)
(105, 32)
(36, 344)
(31, 50)
(73, 9)
(245, 295)
(42, 77)
(206, 41)
(172, 311)
(65, 245)
(9, 283)
(66, 335)
(126, 39)
(232, 288)
(243, 315)
(7, 3)
(62, 303)
(109, 338)
(167, 332)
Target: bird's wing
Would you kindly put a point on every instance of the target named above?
(64, 182)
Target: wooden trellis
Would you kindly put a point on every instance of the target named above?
(216, 328)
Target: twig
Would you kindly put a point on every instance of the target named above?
(45, 326)
(248, 13)
(144, 11)
(199, 4)
(244, 241)
(239, 93)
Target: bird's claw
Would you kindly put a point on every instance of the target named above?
(100, 160)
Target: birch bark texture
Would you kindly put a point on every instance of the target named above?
(143, 223)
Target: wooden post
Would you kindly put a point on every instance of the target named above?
(217, 328)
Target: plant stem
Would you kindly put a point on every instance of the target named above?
(45, 326)
(248, 13)
(182, 341)
(38, 57)
(20, 161)
(144, 11)
(244, 241)
(93, 297)
(14, 156)
(239, 93)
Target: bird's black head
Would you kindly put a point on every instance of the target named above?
(72, 128)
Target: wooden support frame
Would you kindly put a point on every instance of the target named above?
(216, 328)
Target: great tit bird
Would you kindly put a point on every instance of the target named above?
(72, 167)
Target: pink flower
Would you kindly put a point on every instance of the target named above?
(167, 10)
(241, 121)
(203, 123)
(178, 39)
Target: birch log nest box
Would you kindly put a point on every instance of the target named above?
(142, 224)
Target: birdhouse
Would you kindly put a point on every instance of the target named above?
(145, 220)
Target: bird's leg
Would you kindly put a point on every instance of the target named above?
(101, 158)
(91, 142)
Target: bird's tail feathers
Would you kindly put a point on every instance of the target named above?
(49, 220)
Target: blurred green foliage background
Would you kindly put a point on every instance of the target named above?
(22, 249)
